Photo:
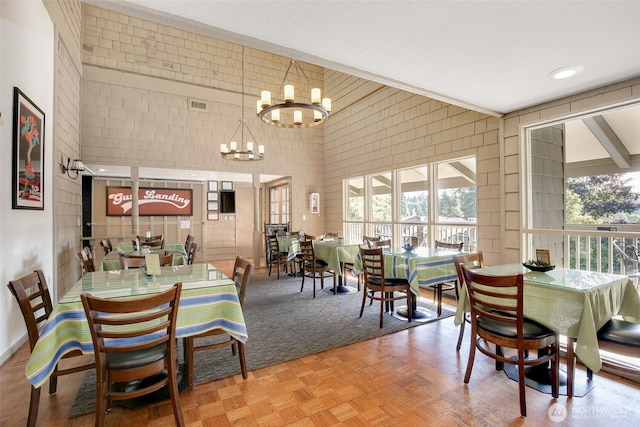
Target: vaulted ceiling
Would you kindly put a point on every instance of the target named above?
(491, 56)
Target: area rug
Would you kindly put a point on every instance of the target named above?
(285, 324)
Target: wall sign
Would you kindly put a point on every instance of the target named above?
(151, 201)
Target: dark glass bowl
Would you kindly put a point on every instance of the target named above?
(539, 267)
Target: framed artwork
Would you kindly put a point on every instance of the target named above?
(212, 196)
(28, 153)
(314, 203)
(212, 216)
(212, 206)
(213, 185)
(543, 255)
(227, 186)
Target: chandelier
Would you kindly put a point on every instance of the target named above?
(286, 112)
(246, 150)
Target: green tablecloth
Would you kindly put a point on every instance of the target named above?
(208, 300)
(335, 253)
(574, 303)
(111, 261)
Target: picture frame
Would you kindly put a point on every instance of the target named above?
(212, 196)
(213, 185)
(212, 206)
(314, 203)
(543, 255)
(226, 186)
(28, 153)
(212, 216)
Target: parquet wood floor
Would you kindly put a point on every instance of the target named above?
(410, 378)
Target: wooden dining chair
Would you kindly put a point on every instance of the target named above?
(314, 268)
(277, 258)
(379, 243)
(471, 261)
(375, 281)
(106, 246)
(497, 317)
(617, 336)
(32, 294)
(128, 261)
(439, 288)
(166, 259)
(188, 242)
(366, 239)
(313, 237)
(86, 260)
(191, 254)
(155, 242)
(134, 341)
(242, 271)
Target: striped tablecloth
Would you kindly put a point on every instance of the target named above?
(290, 245)
(208, 301)
(574, 303)
(422, 267)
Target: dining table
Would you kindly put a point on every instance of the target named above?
(570, 302)
(335, 253)
(208, 300)
(423, 267)
(111, 261)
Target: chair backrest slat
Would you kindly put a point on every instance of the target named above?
(242, 270)
(372, 264)
(152, 318)
(495, 297)
(379, 243)
(32, 294)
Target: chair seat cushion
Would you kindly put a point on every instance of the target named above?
(618, 331)
(532, 329)
(319, 264)
(134, 359)
(389, 281)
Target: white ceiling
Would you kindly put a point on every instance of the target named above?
(490, 56)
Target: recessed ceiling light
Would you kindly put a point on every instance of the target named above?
(102, 170)
(566, 72)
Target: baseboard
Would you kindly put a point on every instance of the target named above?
(12, 349)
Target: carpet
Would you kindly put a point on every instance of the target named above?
(285, 324)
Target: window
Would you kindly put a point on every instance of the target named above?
(455, 182)
(414, 205)
(279, 204)
(354, 211)
(381, 205)
(397, 204)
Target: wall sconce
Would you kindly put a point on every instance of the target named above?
(76, 167)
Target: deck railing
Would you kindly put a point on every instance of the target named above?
(589, 248)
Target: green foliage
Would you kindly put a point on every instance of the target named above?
(602, 197)
(458, 203)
